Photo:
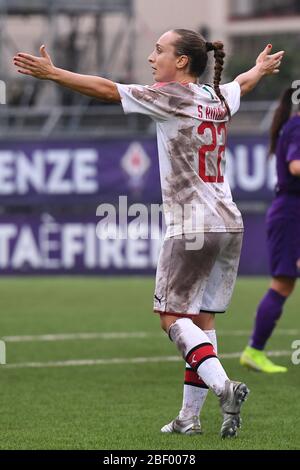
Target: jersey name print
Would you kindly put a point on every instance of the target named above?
(191, 135)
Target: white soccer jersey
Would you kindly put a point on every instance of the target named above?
(191, 134)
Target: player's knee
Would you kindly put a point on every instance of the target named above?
(287, 290)
(163, 323)
(205, 321)
(166, 321)
(283, 286)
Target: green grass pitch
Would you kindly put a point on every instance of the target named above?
(123, 405)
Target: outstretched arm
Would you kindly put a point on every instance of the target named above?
(266, 64)
(43, 68)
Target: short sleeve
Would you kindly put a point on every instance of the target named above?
(144, 100)
(232, 92)
(293, 148)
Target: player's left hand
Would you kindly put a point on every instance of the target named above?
(269, 63)
(39, 67)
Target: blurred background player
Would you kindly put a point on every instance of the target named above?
(283, 231)
(191, 286)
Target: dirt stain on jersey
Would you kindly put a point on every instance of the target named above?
(173, 98)
(226, 214)
(180, 98)
(182, 151)
(145, 94)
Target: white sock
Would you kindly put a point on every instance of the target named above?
(213, 338)
(195, 395)
(193, 400)
(213, 374)
(196, 348)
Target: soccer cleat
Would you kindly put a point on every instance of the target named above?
(190, 426)
(231, 400)
(257, 360)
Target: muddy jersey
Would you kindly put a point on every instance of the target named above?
(191, 134)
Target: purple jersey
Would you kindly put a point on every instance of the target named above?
(283, 218)
(288, 149)
(287, 202)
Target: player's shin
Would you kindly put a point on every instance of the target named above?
(195, 390)
(194, 394)
(198, 351)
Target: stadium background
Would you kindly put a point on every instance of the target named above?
(61, 155)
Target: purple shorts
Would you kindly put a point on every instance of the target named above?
(284, 246)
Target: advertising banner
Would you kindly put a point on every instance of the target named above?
(64, 172)
(69, 180)
(48, 245)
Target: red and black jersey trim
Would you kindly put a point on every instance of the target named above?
(200, 353)
(191, 378)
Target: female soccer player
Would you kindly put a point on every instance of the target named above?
(191, 285)
(283, 229)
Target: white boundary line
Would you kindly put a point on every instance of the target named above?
(75, 336)
(123, 335)
(117, 361)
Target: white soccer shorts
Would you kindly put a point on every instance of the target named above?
(192, 281)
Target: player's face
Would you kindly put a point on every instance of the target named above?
(163, 59)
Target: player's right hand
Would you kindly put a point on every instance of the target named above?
(39, 67)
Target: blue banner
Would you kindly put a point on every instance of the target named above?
(71, 245)
(75, 177)
(63, 172)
